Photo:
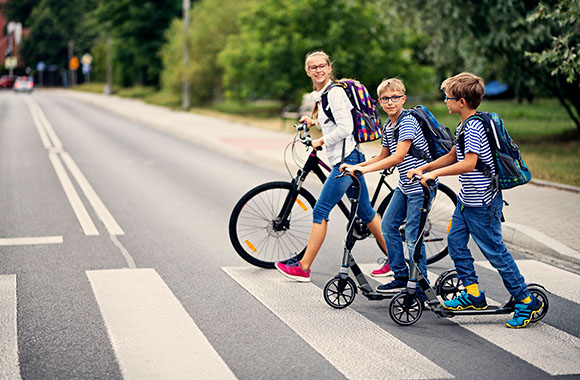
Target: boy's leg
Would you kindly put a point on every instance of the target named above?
(490, 241)
(394, 217)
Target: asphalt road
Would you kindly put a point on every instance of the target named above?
(135, 277)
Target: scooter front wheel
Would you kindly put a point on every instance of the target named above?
(405, 309)
(448, 286)
(340, 292)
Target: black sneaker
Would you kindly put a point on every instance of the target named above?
(394, 286)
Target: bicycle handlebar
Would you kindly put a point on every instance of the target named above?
(303, 135)
(345, 172)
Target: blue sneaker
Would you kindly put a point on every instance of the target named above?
(524, 313)
(466, 301)
(394, 286)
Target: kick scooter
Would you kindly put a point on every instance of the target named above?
(407, 306)
(341, 290)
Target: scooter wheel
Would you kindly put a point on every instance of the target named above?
(340, 292)
(406, 309)
(448, 285)
(541, 296)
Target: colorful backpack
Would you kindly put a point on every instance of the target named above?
(511, 170)
(365, 114)
(439, 137)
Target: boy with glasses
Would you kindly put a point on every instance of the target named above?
(479, 207)
(408, 197)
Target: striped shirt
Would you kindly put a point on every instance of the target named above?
(475, 187)
(340, 132)
(409, 129)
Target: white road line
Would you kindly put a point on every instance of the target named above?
(98, 205)
(349, 341)
(563, 283)
(151, 333)
(541, 345)
(41, 131)
(9, 367)
(56, 143)
(73, 197)
(31, 240)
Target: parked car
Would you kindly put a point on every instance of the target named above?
(24, 84)
(7, 81)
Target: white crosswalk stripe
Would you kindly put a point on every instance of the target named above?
(152, 334)
(542, 345)
(302, 307)
(9, 368)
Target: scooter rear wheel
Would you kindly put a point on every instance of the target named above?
(448, 286)
(405, 309)
(340, 292)
(541, 296)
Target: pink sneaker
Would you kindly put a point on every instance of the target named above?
(293, 270)
(384, 271)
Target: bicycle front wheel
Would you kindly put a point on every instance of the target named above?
(257, 232)
(438, 222)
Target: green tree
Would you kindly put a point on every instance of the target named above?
(18, 10)
(137, 28)
(212, 22)
(266, 59)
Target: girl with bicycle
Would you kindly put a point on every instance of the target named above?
(341, 147)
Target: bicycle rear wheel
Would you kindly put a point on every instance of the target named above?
(258, 234)
(438, 222)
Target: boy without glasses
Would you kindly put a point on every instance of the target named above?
(479, 207)
(408, 197)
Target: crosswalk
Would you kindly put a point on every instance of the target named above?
(153, 336)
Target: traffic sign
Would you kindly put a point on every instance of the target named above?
(74, 63)
(40, 66)
(11, 62)
(86, 59)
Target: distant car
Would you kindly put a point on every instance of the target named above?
(24, 84)
(7, 81)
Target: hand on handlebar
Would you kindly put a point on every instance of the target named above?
(427, 179)
(317, 143)
(307, 120)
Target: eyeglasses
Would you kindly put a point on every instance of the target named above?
(447, 98)
(394, 99)
(322, 66)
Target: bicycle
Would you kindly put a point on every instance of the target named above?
(272, 221)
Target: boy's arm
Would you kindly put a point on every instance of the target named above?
(384, 153)
(465, 166)
(391, 160)
(443, 161)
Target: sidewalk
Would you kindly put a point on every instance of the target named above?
(542, 218)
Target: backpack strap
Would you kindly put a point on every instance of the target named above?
(324, 103)
(413, 150)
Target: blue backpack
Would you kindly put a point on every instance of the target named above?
(511, 170)
(365, 114)
(439, 137)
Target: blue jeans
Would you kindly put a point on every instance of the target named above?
(403, 207)
(334, 189)
(484, 225)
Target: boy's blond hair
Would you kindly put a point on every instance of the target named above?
(467, 86)
(392, 84)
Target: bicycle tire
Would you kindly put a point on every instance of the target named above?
(438, 222)
(252, 225)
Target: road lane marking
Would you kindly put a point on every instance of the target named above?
(9, 367)
(152, 335)
(541, 345)
(563, 283)
(98, 205)
(362, 343)
(40, 240)
(73, 197)
(38, 124)
(45, 124)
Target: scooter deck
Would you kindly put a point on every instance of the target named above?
(490, 310)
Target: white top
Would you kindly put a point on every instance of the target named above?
(339, 131)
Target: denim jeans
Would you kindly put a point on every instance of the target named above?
(403, 207)
(484, 225)
(334, 189)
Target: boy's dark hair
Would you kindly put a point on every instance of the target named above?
(467, 86)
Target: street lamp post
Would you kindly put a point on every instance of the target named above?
(185, 102)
